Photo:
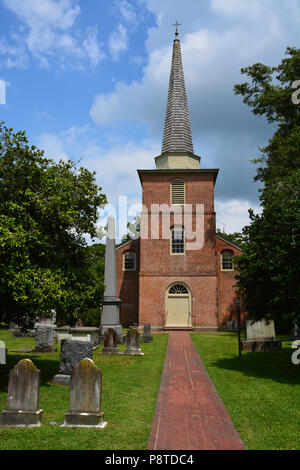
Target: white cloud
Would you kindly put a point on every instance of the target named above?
(118, 41)
(233, 215)
(115, 166)
(53, 147)
(127, 11)
(47, 33)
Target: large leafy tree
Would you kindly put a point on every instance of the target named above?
(46, 209)
(269, 269)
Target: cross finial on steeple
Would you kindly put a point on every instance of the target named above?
(176, 25)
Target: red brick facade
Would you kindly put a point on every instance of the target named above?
(143, 292)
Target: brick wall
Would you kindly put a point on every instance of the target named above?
(128, 285)
(197, 268)
(227, 290)
(143, 292)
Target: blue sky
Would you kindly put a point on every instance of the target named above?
(89, 79)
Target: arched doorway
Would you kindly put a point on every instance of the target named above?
(178, 306)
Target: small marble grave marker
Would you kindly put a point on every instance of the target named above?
(147, 336)
(23, 396)
(85, 397)
(3, 353)
(133, 343)
(110, 342)
(71, 353)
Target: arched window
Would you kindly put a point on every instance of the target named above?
(178, 289)
(227, 260)
(178, 192)
(177, 240)
(129, 261)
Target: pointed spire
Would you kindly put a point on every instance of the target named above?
(177, 132)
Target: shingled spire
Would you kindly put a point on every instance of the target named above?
(177, 132)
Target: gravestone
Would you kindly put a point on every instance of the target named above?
(44, 338)
(110, 342)
(3, 353)
(261, 336)
(85, 397)
(147, 336)
(23, 396)
(232, 326)
(71, 353)
(133, 343)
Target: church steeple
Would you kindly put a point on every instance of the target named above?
(177, 138)
(177, 132)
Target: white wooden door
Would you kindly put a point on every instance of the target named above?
(177, 314)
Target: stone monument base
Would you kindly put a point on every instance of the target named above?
(147, 339)
(261, 345)
(136, 352)
(20, 418)
(110, 351)
(84, 420)
(61, 379)
(119, 330)
(44, 350)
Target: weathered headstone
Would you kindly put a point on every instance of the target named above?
(3, 353)
(71, 353)
(85, 397)
(110, 342)
(110, 316)
(133, 343)
(232, 326)
(260, 336)
(147, 336)
(23, 396)
(44, 338)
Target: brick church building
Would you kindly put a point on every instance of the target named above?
(164, 280)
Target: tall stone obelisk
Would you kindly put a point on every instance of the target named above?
(110, 316)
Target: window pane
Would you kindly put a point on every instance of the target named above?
(129, 261)
(227, 262)
(178, 289)
(177, 241)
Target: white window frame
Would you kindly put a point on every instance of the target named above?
(232, 254)
(171, 241)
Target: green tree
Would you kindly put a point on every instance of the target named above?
(92, 316)
(46, 209)
(236, 237)
(269, 269)
(134, 230)
(269, 93)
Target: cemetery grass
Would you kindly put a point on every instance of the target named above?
(129, 394)
(260, 390)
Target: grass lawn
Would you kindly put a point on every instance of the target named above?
(129, 393)
(261, 391)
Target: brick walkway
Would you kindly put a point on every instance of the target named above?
(189, 413)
